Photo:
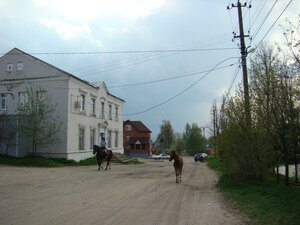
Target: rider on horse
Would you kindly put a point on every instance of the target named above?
(103, 144)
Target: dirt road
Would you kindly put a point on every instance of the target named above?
(134, 195)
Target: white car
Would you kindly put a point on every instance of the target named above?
(161, 156)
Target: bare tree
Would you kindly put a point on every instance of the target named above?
(36, 118)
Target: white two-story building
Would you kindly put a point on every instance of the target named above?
(86, 111)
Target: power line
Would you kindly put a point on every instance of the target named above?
(180, 93)
(264, 20)
(170, 78)
(274, 22)
(125, 51)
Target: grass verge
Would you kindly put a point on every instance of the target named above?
(30, 161)
(266, 202)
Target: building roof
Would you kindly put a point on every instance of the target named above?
(138, 125)
(20, 52)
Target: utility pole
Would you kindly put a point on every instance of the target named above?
(244, 59)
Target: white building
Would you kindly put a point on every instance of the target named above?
(87, 111)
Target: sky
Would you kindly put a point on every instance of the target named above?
(168, 59)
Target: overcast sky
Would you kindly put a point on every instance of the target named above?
(139, 38)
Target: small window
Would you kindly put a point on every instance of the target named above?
(81, 138)
(128, 127)
(110, 112)
(20, 66)
(102, 110)
(116, 139)
(23, 97)
(93, 106)
(92, 138)
(116, 113)
(9, 67)
(3, 102)
(82, 103)
(109, 138)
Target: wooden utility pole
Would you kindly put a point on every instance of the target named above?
(244, 59)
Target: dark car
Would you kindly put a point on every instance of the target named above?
(200, 157)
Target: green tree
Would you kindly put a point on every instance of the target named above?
(179, 144)
(275, 108)
(193, 139)
(36, 118)
(165, 137)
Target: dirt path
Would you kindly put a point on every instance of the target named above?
(133, 195)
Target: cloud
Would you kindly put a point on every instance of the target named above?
(67, 31)
(90, 10)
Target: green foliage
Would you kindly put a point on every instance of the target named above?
(263, 202)
(179, 144)
(36, 118)
(193, 138)
(249, 151)
(165, 137)
(266, 202)
(35, 161)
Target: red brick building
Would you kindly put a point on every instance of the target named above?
(136, 139)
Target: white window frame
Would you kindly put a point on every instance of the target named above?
(128, 127)
(116, 113)
(110, 111)
(20, 66)
(81, 136)
(23, 97)
(116, 139)
(9, 67)
(82, 102)
(92, 138)
(102, 110)
(93, 106)
(4, 102)
(109, 138)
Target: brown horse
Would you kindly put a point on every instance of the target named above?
(178, 163)
(102, 154)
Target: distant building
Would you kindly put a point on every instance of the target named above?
(136, 139)
(87, 111)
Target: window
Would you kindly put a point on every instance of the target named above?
(20, 66)
(42, 96)
(102, 110)
(127, 137)
(81, 138)
(82, 102)
(128, 127)
(3, 101)
(93, 106)
(117, 113)
(110, 112)
(9, 67)
(23, 97)
(92, 138)
(109, 139)
(117, 139)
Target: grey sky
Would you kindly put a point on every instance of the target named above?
(45, 26)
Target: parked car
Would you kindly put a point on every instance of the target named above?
(200, 157)
(161, 156)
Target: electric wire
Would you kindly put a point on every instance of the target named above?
(274, 23)
(180, 93)
(170, 78)
(264, 20)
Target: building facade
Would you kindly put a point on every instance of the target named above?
(86, 111)
(137, 139)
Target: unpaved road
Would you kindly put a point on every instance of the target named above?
(128, 195)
